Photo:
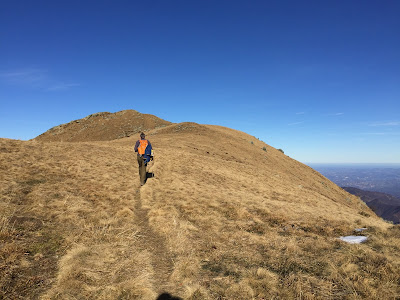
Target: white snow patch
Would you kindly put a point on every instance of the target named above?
(360, 229)
(353, 239)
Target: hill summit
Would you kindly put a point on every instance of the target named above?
(222, 216)
(103, 126)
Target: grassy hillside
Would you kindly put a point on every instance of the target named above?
(221, 219)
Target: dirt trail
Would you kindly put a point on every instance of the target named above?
(153, 243)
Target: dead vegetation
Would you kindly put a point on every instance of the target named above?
(222, 219)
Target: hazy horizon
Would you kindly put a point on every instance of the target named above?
(348, 164)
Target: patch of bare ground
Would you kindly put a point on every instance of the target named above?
(225, 217)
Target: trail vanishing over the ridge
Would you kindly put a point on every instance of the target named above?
(225, 216)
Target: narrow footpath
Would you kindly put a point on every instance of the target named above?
(156, 245)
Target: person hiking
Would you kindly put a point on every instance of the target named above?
(143, 148)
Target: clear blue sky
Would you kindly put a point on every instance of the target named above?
(319, 79)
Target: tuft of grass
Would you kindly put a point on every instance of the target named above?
(365, 214)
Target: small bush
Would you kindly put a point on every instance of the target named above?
(264, 148)
(281, 150)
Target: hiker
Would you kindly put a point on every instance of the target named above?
(143, 149)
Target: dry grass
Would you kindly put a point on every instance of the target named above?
(70, 207)
(221, 219)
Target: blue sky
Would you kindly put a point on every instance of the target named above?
(318, 79)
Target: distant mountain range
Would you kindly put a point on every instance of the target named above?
(384, 205)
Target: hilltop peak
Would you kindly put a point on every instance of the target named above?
(103, 126)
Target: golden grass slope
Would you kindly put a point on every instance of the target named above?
(69, 222)
(221, 219)
(103, 126)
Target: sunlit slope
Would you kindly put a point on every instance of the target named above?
(241, 222)
(221, 219)
(219, 164)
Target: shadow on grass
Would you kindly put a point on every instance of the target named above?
(167, 296)
(149, 175)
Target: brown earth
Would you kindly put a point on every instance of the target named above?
(225, 217)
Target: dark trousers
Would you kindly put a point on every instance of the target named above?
(142, 169)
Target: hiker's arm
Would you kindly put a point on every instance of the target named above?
(137, 145)
(149, 144)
